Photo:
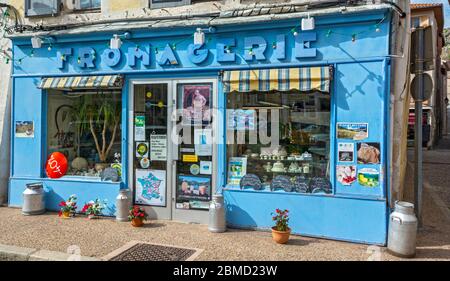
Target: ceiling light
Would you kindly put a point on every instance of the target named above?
(308, 23)
(116, 42)
(199, 37)
(36, 42)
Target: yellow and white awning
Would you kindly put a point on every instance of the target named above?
(280, 79)
(81, 82)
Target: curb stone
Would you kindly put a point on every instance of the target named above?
(14, 253)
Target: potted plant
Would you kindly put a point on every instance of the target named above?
(137, 216)
(103, 118)
(93, 208)
(68, 207)
(281, 230)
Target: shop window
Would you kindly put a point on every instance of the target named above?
(85, 126)
(87, 4)
(42, 7)
(155, 4)
(279, 140)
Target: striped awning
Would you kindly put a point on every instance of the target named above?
(280, 79)
(82, 82)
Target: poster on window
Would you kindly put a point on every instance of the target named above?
(237, 168)
(141, 149)
(158, 147)
(196, 100)
(346, 151)
(139, 128)
(193, 192)
(241, 120)
(203, 142)
(353, 131)
(24, 129)
(151, 187)
(369, 153)
(346, 175)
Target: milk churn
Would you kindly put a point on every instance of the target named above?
(217, 214)
(123, 205)
(33, 199)
(402, 230)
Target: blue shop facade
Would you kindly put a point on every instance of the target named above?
(266, 114)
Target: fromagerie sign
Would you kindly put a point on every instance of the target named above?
(226, 51)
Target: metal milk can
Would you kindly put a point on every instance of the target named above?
(33, 199)
(123, 205)
(402, 230)
(217, 214)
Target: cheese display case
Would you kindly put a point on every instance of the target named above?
(279, 141)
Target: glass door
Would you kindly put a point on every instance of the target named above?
(195, 170)
(150, 151)
(172, 152)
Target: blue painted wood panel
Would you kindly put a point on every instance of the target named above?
(27, 152)
(355, 220)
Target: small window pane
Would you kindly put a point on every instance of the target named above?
(90, 4)
(42, 4)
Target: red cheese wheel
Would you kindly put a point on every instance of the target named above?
(56, 166)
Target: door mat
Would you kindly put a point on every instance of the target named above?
(142, 251)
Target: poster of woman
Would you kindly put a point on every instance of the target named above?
(196, 104)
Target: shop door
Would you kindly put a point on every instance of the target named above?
(171, 148)
(150, 150)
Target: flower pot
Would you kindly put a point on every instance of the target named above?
(137, 222)
(281, 237)
(65, 215)
(91, 217)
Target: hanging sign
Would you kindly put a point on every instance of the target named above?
(158, 147)
(56, 166)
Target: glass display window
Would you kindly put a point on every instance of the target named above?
(86, 126)
(279, 140)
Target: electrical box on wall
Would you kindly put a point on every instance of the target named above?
(42, 8)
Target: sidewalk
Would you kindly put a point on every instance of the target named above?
(97, 238)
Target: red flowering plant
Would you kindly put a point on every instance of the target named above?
(94, 207)
(281, 218)
(68, 206)
(137, 212)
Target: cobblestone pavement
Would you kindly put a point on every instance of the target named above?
(100, 237)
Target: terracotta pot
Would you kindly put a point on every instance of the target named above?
(137, 222)
(281, 237)
(65, 215)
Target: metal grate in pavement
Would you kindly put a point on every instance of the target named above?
(151, 252)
